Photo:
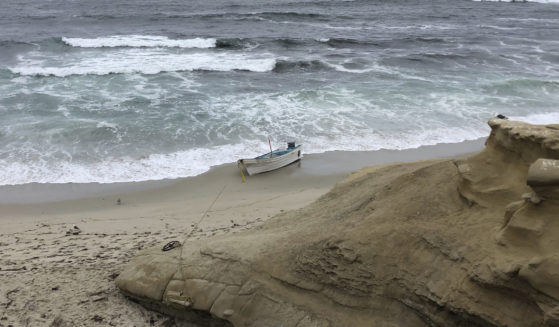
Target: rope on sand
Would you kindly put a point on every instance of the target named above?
(174, 244)
(205, 212)
(199, 221)
(186, 301)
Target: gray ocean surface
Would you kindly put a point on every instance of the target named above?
(131, 90)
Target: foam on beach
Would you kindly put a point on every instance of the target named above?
(193, 162)
(198, 160)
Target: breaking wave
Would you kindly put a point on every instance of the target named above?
(154, 62)
(172, 165)
(145, 41)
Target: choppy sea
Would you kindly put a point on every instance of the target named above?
(131, 90)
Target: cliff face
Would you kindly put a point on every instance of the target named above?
(443, 242)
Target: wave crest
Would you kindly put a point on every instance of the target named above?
(153, 62)
(137, 41)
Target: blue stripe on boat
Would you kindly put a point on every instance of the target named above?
(278, 152)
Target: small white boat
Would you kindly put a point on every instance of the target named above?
(272, 160)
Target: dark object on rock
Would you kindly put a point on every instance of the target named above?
(171, 245)
(501, 116)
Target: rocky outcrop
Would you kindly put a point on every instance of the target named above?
(443, 242)
(529, 234)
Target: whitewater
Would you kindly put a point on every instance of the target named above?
(139, 41)
(166, 90)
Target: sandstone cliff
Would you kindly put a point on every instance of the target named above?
(443, 242)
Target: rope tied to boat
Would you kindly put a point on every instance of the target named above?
(205, 213)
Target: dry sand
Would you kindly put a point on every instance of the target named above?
(52, 274)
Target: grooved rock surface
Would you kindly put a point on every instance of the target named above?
(441, 242)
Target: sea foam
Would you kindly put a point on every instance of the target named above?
(144, 62)
(196, 161)
(539, 119)
(146, 41)
(126, 169)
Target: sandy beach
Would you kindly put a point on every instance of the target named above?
(427, 195)
(55, 274)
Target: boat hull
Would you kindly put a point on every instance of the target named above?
(261, 165)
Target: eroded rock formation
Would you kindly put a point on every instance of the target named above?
(442, 242)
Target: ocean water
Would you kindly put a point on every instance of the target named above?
(131, 90)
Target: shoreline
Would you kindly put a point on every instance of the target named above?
(331, 163)
(56, 273)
